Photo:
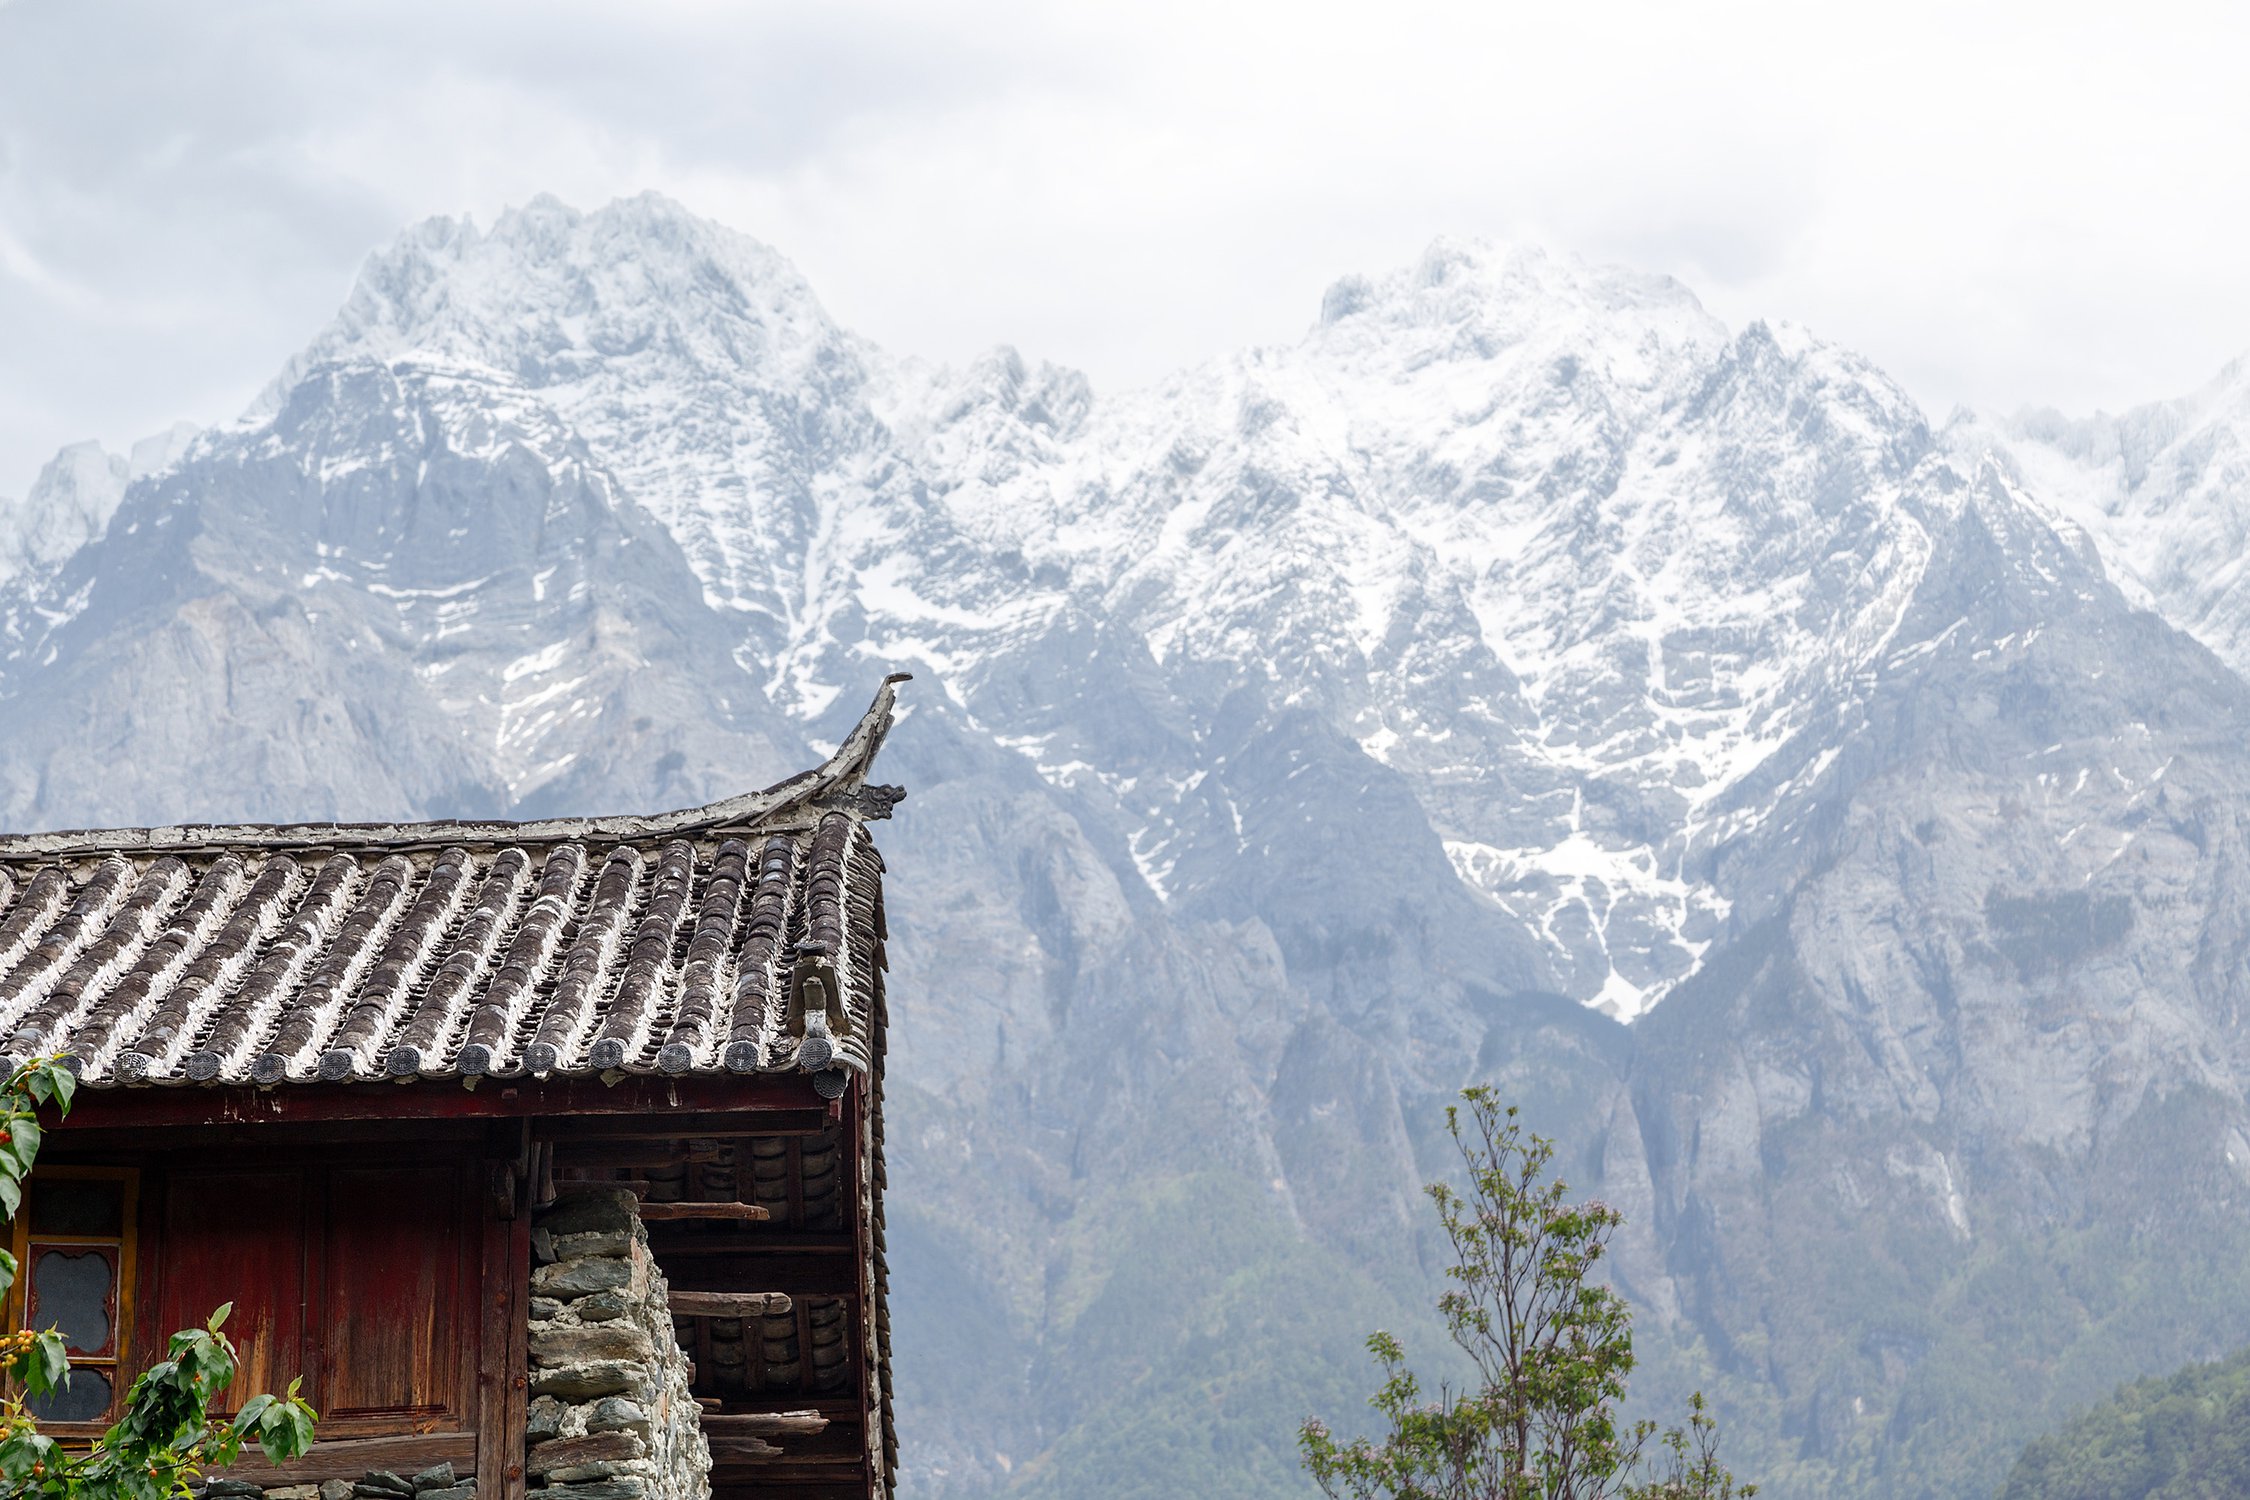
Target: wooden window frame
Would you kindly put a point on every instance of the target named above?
(124, 1293)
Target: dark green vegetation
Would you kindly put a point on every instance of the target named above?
(168, 1434)
(2181, 1437)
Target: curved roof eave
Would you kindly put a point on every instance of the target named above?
(840, 775)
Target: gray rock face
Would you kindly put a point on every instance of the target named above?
(610, 1340)
(1296, 741)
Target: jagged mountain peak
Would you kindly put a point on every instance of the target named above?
(1000, 397)
(695, 361)
(432, 593)
(1473, 301)
(549, 291)
(1542, 537)
(2137, 460)
(2131, 437)
(76, 493)
(1455, 274)
(2163, 488)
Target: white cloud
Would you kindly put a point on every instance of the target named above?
(2004, 203)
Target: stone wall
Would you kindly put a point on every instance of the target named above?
(611, 1416)
(437, 1483)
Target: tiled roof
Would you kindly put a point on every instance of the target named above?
(742, 937)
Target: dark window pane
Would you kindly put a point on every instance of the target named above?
(70, 1291)
(77, 1205)
(84, 1399)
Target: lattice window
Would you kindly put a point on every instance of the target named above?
(74, 1241)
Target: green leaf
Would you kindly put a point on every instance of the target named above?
(286, 1431)
(48, 1366)
(49, 1081)
(21, 1452)
(24, 1139)
(220, 1316)
(11, 1196)
(222, 1449)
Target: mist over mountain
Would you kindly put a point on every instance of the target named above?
(2164, 487)
(71, 501)
(1518, 654)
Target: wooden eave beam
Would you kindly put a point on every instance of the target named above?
(634, 1108)
(731, 1305)
(686, 1208)
(739, 1124)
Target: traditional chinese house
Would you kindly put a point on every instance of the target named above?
(551, 1152)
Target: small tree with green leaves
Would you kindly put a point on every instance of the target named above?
(168, 1434)
(1550, 1345)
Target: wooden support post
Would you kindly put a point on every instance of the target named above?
(502, 1353)
(515, 1395)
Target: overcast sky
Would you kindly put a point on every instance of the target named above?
(2004, 204)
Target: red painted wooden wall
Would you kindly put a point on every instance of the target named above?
(361, 1279)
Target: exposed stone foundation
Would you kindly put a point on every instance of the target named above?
(611, 1415)
(436, 1483)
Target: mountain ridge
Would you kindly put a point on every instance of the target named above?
(1517, 652)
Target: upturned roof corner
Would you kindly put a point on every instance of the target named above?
(838, 784)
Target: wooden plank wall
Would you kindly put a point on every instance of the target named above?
(427, 1225)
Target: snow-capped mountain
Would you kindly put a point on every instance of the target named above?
(1543, 538)
(1516, 652)
(406, 587)
(73, 498)
(696, 361)
(2165, 488)
(1560, 468)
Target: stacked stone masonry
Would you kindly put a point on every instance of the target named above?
(611, 1415)
(438, 1483)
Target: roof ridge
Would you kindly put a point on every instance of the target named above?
(839, 782)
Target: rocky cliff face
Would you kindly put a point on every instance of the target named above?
(1517, 654)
